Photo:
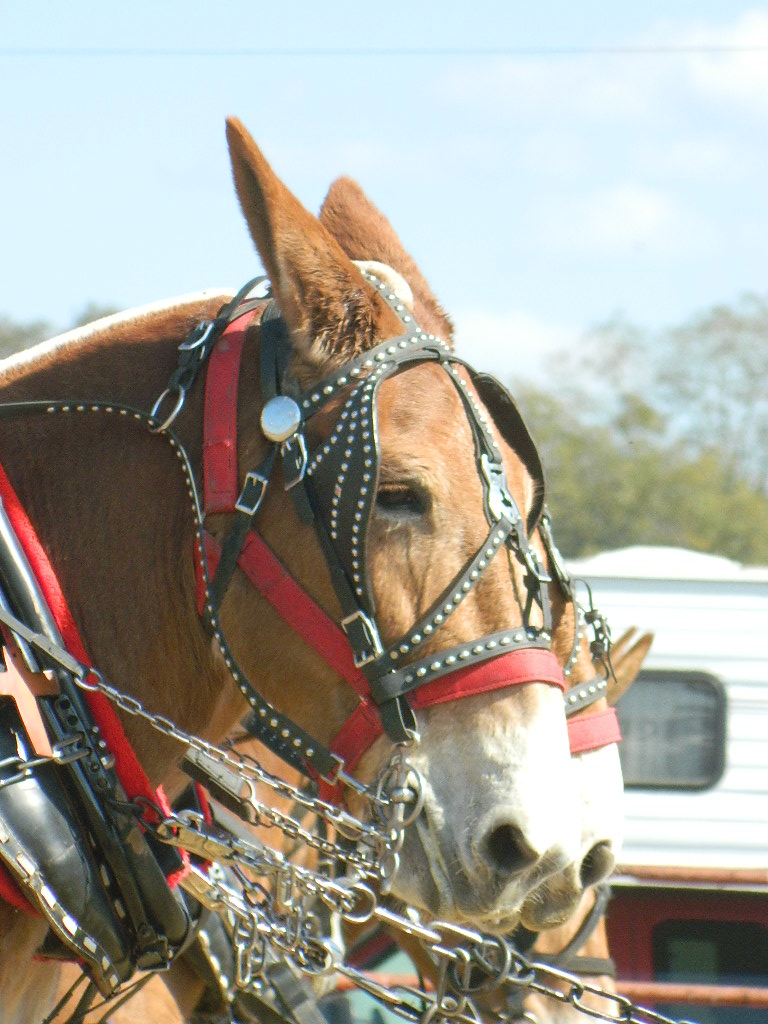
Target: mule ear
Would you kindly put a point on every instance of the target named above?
(331, 311)
(627, 665)
(619, 647)
(364, 233)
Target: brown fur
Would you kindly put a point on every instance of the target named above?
(364, 233)
(110, 506)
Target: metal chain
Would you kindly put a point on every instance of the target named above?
(373, 834)
(24, 768)
(283, 918)
(468, 962)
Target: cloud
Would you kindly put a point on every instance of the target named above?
(628, 216)
(509, 344)
(621, 84)
(534, 87)
(620, 219)
(691, 157)
(740, 76)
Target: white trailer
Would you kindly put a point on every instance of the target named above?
(688, 924)
(710, 620)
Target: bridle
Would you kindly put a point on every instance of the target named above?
(599, 728)
(389, 695)
(334, 488)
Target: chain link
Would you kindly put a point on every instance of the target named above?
(467, 962)
(275, 914)
(283, 919)
(378, 838)
(24, 768)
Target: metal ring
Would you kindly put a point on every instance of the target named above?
(360, 892)
(174, 412)
(194, 339)
(488, 975)
(90, 687)
(319, 956)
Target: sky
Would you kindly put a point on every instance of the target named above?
(548, 165)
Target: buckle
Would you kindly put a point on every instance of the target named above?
(363, 638)
(536, 566)
(498, 499)
(198, 336)
(252, 494)
(294, 452)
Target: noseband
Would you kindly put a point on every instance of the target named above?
(334, 487)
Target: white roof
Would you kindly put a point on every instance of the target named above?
(708, 614)
(665, 563)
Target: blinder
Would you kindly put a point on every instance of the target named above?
(507, 417)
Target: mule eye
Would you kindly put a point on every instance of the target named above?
(400, 500)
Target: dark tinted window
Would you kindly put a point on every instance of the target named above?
(712, 953)
(673, 730)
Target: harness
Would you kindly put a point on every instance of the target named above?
(110, 901)
(68, 833)
(333, 487)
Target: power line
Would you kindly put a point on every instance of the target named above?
(37, 52)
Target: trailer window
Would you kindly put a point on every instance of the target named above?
(711, 953)
(673, 730)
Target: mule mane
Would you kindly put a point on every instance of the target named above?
(156, 319)
(364, 233)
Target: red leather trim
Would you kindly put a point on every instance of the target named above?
(273, 581)
(11, 894)
(353, 739)
(130, 773)
(514, 668)
(129, 770)
(590, 732)
(529, 665)
(220, 478)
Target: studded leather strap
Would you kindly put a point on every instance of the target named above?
(477, 667)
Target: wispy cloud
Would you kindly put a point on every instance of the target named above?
(631, 81)
(630, 216)
(739, 76)
(511, 342)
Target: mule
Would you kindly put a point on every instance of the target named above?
(112, 511)
(570, 946)
(579, 945)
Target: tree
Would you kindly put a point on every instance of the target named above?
(660, 437)
(14, 337)
(705, 378)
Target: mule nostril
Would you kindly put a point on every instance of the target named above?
(507, 850)
(597, 864)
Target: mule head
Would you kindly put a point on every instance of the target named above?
(500, 812)
(597, 771)
(600, 780)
